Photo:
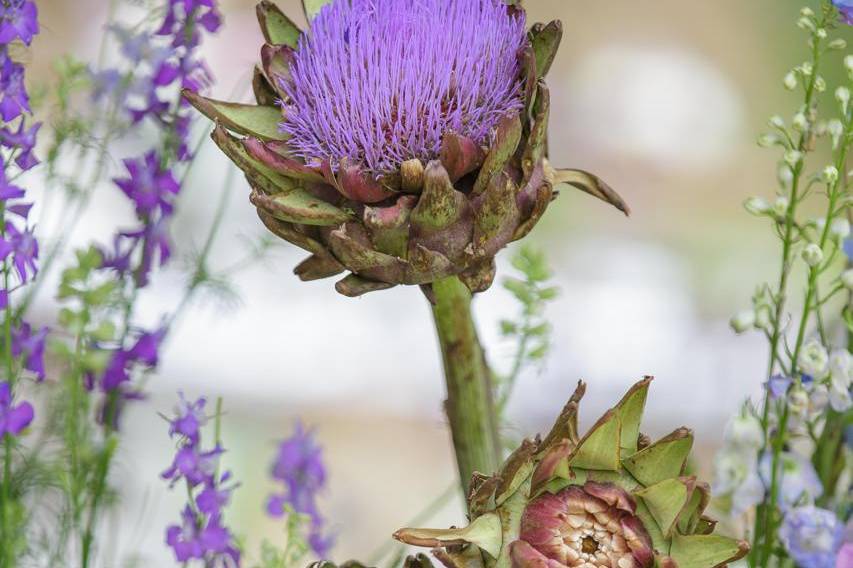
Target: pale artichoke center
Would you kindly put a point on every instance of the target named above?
(591, 541)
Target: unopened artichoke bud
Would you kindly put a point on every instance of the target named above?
(399, 162)
(609, 498)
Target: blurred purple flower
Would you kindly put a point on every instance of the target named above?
(190, 542)
(23, 247)
(812, 536)
(150, 186)
(15, 100)
(31, 346)
(24, 140)
(845, 7)
(9, 190)
(189, 419)
(299, 466)
(778, 386)
(193, 465)
(18, 20)
(845, 556)
(13, 418)
(799, 482)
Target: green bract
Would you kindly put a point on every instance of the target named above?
(608, 498)
(416, 225)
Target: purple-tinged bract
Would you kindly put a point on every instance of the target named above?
(380, 82)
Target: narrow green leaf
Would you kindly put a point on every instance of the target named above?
(630, 410)
(546, 41)
(251, 120)
(593, 185)
(484, 532)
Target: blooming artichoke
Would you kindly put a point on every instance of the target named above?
(403, 141)
(608, 499)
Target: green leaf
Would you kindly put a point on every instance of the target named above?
(593, 185)
(664, 459)
(251, 120)
(313, 7)
(507, 137)
(706, 551)
(484, 531)
(599, 449)
(666, 500)
(295, 205)
(546, 41)
(630, 410)
(277, 28)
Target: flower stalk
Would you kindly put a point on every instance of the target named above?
(470, 405)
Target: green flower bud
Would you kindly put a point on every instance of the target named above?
(813, 255)
(743, 321)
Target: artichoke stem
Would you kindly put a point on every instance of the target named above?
(470, 405)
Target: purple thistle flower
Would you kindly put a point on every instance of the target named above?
(13, 418)
(18, 20)
(299, 466)
(150, 186)
(812, 536)
(15, 100)
(23, 247)
(845, 8)
(31, 346)
(379, 83)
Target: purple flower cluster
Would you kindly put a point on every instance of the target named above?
(18, 246)
(813, 537)
(845, 8)
(201, 535)
(299, 467)
(379, 83)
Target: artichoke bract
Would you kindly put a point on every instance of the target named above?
(400, 141)
(608, 499)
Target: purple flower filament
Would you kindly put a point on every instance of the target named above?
(379, 82)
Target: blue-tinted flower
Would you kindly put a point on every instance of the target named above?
(30, 345)
(778, 386)
(191, 542)
(151, 187)
(299, 466)
(845, 8)
(798, 481)
(18, 20)
(379, 83)
(23, 248)
(15, 100)
(812, 536)
(13, 417)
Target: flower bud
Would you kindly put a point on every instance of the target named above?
(805, 24)
(743, 321)
(806, 12)
(798, 400)
(793, 158)
(820, 33)
(829, 175)
(840, 229)
(813, 255)
(785, 177)
(762, 318)
(790, 81)
(776, 121)
(842, 95)
(799, 122)
(837, 44)
(848, 63)
(847, 278)
(835, 129)
(820, 84)
(745, 431)
(756, 205)
(813, 359)
(768, 140)
(780, 206)
(806, 69)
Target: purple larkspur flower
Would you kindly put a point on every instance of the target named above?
(379, 83)
(151, 242)
(193, 465)
(13, 417)
(191, 542)
(812, 536)
(144, 352)
(30, 345)
(18, 20)
(9, 190)
(183, 17)
(778, 386)
(189, 419)
(15, 99)
(845, 8)
(24, 140)
(23, 248)
(299, 466)
(150, 186)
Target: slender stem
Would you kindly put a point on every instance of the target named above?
(470, 404)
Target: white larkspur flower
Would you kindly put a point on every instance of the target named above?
(799, 482)
(840, 380)
(813, 255)
(813, 359)
(736, 476)
(745, 431)
(743, 321)
(756, 205)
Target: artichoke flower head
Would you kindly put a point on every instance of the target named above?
(402, 141)
(607, 499)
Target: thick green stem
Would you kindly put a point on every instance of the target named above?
(470, 403)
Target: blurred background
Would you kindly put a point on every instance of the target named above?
(664, 100)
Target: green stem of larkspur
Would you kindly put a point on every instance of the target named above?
(470, 405)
